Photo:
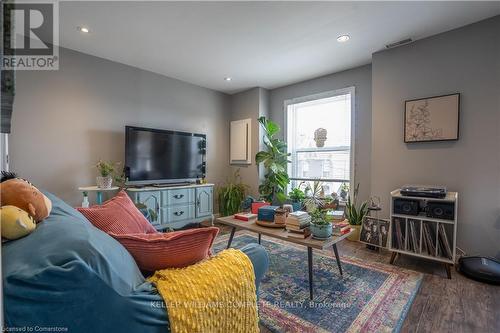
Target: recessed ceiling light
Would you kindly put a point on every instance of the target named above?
(83, 29)
(343, 38)
(227, 79)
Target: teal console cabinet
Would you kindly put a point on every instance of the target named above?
(175, 207)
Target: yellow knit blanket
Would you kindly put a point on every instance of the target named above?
(216, 295)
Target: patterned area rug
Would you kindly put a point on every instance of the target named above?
(370, 297)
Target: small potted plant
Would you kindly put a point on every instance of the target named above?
(355, 214)
(106, 170)
(231, 195)
(296, 197)
(331, 202)
(320, 226)
(344, 191)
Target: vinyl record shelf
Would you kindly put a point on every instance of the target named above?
(422, 236)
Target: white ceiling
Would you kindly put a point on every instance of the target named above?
(265, 44)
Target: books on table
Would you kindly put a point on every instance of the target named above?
(300, 219)
(341, 228)
(245, 216)
(297, 224)
(299, 214)
(336, 215)
(303, 233)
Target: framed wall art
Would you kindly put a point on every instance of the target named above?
(432, 119)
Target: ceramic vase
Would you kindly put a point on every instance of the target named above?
(85, 202)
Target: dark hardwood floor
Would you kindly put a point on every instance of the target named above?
(441, 304)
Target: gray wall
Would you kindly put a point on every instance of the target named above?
(467, 61)
(252, 104)
(246, 105)
(361, 79)
(66, 120)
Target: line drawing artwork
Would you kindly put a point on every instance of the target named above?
(419, 124)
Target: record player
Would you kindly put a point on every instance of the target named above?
(424, 191)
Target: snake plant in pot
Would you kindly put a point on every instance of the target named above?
(355, 214)
(275, 160)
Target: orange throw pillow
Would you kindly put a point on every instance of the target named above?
(166, 250)
(118, 215)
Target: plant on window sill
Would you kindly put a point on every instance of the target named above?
(344, 190)
(296, 195)
(275, 160)
(314, 195)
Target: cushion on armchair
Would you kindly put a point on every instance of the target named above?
(118, 215)
(166, 250)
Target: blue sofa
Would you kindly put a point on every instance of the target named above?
(70, 275)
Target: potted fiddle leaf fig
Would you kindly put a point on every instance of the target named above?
(320, 226)
(106, 171)
(275, 160)
(355, 214)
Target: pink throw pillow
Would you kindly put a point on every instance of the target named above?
(166, 250)
(118, 215)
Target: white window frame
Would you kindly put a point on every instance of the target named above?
(344, 91)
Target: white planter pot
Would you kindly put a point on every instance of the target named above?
(104, 182)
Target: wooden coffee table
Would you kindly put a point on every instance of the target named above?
(282, 234)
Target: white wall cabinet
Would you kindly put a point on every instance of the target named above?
(240, 142)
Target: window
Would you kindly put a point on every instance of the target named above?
(319, 138)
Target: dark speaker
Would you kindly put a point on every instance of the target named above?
(406, 207)
(441, 210)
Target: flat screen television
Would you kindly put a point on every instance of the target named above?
(154, 156)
